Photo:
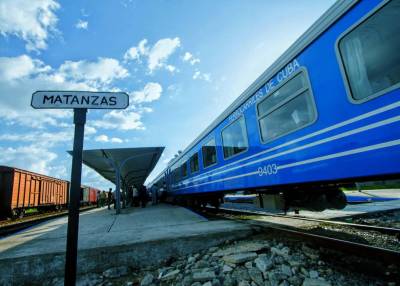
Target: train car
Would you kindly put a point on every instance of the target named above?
(93, 192)
(21, 190)
(325, 114)
(84, 196)
(88, 196)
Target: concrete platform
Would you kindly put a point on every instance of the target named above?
(138, 236)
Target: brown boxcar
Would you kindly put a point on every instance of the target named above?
(20, 190)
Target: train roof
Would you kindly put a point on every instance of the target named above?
(8, 168)
(338, 9)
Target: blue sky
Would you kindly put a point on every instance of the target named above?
(181, 62)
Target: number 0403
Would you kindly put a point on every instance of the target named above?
(268, 170)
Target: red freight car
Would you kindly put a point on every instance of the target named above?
(88, 196)
(20, 190)
(93, 195)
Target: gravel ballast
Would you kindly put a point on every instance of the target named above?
(260, 261)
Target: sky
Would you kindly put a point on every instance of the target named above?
(181, 62)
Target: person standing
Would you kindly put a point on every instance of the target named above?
(103, 198)
(143, 196)
(109, 198)
(98, 199)
(135, 196)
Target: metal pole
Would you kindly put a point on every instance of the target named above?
(73, 207)
(118, 181)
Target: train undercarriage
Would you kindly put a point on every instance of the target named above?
(295, 198)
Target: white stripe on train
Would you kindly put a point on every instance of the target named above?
(324, 130)
(315, 143)
(309, 161)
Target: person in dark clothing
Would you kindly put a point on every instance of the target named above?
(143, 196)
(109, 198)
(98, 199)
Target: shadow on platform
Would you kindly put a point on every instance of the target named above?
(138, 236)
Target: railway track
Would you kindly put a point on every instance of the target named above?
(383, 256)
(7, 228)
(380, 229)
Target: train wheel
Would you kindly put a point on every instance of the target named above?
(337, 199)
(216, 203)
(14, 213)
(21, 213)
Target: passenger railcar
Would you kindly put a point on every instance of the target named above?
(21, 190)
(326, 113)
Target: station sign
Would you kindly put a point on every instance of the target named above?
(80, 102)
(79, 99)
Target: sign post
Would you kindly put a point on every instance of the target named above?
(80, 101)
(73, 207)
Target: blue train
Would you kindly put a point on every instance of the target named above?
(324, 115)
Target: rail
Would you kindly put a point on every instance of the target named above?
(381, 229)
(10, 228)
(387, 256)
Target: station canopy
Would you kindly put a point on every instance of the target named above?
(134, 164)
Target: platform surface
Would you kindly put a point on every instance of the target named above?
(102, 228)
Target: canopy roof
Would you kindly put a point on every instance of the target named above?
(135, 163)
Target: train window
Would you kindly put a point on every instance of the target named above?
(209, 153)
(194, 163)
(288, 109)
(287, 90)
(234, 138)
(370, 53)
(176, 174)
(184, 170)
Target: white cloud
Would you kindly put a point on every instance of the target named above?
(116, 140)
(146, 109)
(90, 130)
(131, 54)
(157, 55)
(202, 76)
(134, 53)
(82, 25)
(161, 51)
(21, 76)
(92, 178)
(142, 47)
(196, 75)
(121, 120)
(206, 76)
(101, 138)
(29, 20)
(50, 139)
(104, 138)
(30, 157)
(103, 71)
(17, 67)
(152, 91)
(171, 68)
(188, 57)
